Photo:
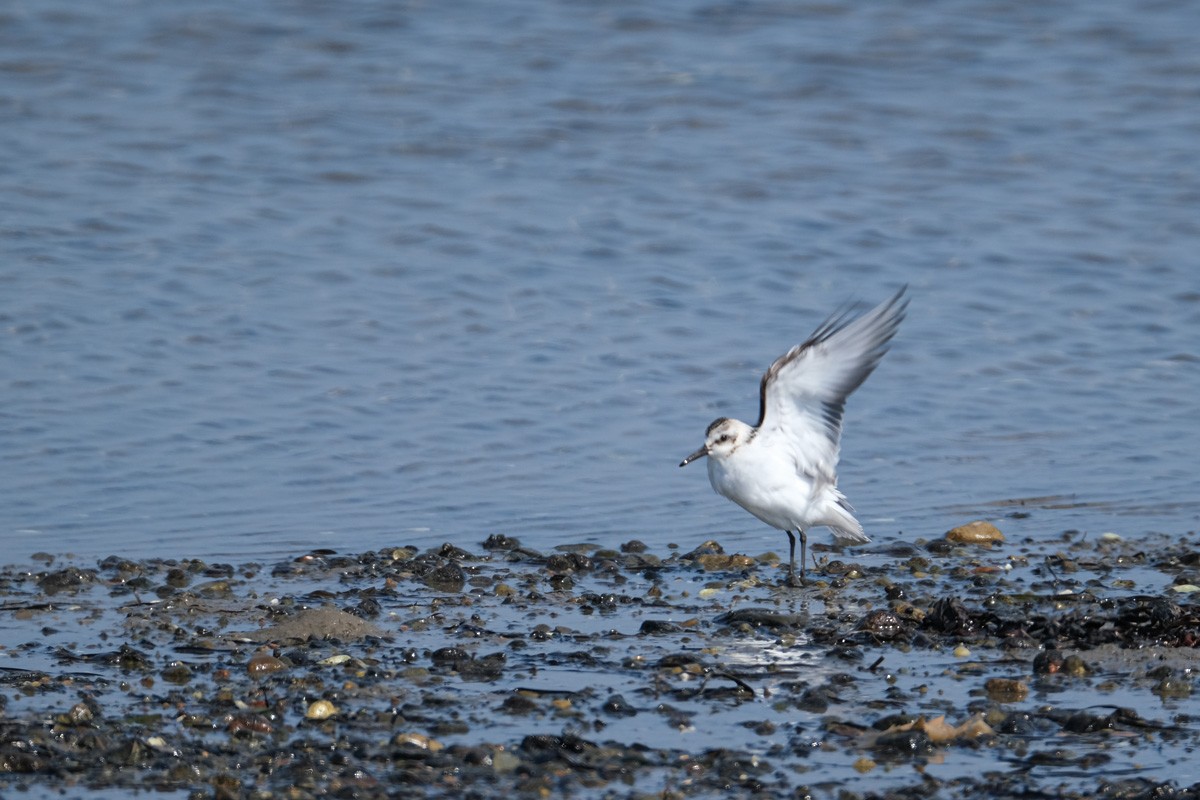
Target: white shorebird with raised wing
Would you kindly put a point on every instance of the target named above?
(784, 469)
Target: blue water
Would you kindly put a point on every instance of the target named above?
(290, 275)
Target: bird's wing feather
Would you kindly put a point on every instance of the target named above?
(803, 394)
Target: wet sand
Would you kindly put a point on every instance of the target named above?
(945, 667)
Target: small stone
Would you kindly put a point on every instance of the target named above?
(80, 715)
(938, 730)
(249, 725)
(419, 741)
(504, 761)
(1047, 662)
(447, 578)
(176, 672)
(1173, 686)
(333, 661)
(977, 532)
(1006, 690)
(320, 709)
(962, 651)
(907, 742)
(882, 624)
(265, 664)
(215, 589)
(1075, 666)
(974, 727)
(177, 578)
(71, 580)
(518, 704)
(498, 541)
(617, 706)
(766, 617)
(719, 562)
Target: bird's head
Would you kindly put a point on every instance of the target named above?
(724, 436)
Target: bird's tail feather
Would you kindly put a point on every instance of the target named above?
(846, 529)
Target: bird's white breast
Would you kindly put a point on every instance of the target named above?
(763, 480)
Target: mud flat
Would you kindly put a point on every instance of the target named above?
(953, 666)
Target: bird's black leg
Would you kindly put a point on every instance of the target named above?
(791, 579)
(803, 552)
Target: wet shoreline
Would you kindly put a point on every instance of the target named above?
(935, 668)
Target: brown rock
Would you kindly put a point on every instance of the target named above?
(1006, 690)
(265, 664)
(977, 532)
(315, 623)
(719, 562)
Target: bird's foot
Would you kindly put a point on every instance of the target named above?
(792, 581)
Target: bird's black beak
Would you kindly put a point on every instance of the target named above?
(701, 453)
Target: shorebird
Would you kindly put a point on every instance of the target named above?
(783, 469)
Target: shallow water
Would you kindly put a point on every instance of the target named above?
(816, 690)
(300, 276)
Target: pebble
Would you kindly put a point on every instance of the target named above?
(977, 532)
(719, 562)
(505, 762)
(333, 661)
(419, 741)
(265, 664)
(320, 709)
(1006, 690)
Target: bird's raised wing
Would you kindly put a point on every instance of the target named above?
(804, 392)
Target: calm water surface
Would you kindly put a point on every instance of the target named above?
(291, 275)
